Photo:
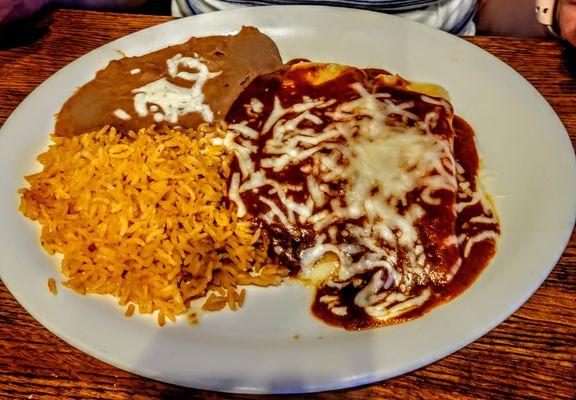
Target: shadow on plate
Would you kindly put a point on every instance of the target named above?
(279, 376)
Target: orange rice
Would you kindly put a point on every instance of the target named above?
(52, 286)
(144, 217)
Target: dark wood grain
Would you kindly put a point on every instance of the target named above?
(532, 355)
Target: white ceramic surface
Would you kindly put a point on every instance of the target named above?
(529, 168)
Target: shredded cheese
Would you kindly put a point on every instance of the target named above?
(121, 114)
(175, 100)
(368, 168)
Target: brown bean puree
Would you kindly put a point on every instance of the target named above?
(208, 74)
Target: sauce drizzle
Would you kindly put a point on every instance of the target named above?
(367, 190)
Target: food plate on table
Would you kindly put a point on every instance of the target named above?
(354, 312)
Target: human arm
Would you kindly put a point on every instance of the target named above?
(517, 18)
(11, 10)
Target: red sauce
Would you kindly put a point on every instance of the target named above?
(437, 224)
(466, 155)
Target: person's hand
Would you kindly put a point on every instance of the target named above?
(566, 17)
(16, 9)
(11, 10)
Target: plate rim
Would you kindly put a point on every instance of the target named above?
(374, 376)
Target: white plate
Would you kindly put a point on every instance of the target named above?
(529, 168)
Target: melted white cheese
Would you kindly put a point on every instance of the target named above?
(121, 114)
(257, 105)
(174, 100)
(234, 195)
(397, 304)
(340, 311)
(484, 235)
(314, 268)
(245, 130)
(482, 219)
(461, 205)
(377, 166)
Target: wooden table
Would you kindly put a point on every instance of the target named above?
(532, 355)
